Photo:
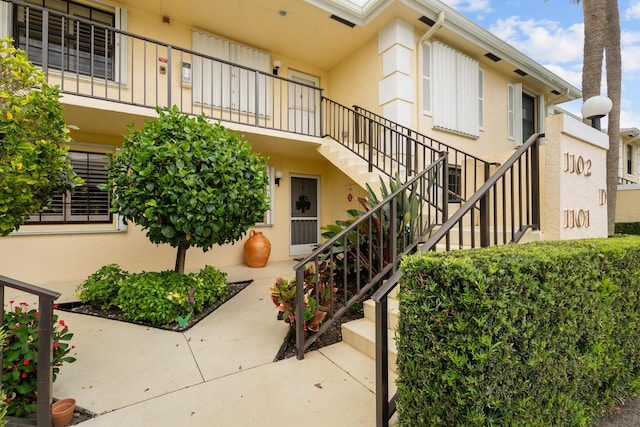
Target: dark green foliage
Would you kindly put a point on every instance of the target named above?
(543, 334)
(188, 182)
(102, 287)
(630, 228)
(159, 298)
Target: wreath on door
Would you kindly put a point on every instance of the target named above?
(303, 204)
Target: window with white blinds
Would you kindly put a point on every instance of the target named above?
(87, 204)
(453, 89)
(230, 81)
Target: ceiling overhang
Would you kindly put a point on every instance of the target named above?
(359, 12)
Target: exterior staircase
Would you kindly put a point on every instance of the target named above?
(360, 334)
(350, 163)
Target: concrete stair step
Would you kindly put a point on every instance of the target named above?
(393, 312)
(360, 334)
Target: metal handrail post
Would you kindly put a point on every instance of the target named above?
(485, 232)
(535, 184)
(300, 313)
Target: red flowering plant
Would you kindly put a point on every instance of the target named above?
(20, 356)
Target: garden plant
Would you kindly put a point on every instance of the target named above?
(20, 356)
(188, 182)
(33, 138)
(158, 298)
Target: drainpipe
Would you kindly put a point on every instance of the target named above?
(435, 27)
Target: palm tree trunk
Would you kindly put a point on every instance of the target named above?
(614, 88)
(595, 18)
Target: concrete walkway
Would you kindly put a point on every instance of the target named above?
(219, 373)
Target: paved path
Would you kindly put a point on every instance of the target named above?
(218, 373)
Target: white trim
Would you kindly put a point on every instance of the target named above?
(481, 108)
(514, 113)
(427, 73)
(269, 213)
(5, 19)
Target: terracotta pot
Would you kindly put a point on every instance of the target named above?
(257, 249)
(62, 412)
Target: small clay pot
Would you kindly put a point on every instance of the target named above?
(62, 412)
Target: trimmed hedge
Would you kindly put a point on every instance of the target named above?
(541, 334)
(631, 228)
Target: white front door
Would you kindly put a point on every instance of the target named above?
(304, 104)
(304, 214)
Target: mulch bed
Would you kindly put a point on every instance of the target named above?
(116, 313)
(333, 335)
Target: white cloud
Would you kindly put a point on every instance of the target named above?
(633, 11)
(544, 40)
(629, 118)
(630, 46)
(573, 76)
(630, 60)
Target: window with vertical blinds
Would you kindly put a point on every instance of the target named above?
(455, 90)
(87, 204)
(222, 83)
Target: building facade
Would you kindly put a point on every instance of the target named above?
(286, 76)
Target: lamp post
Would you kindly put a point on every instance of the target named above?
(596, 108)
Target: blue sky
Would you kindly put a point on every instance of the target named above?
(551, 33)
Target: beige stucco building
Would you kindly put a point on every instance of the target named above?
(286, 75)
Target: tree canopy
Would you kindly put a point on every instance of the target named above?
(188, 182)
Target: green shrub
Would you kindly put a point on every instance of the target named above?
(630, 228)
(101, 288)
(20, 356)
(526, 335)
(159, 298)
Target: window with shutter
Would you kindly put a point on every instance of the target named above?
(452, 89)
(230, 80)
(73, 45)
(87, 204)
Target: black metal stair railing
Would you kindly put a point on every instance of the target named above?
(391, 148)
(353, 263)
(508, 205)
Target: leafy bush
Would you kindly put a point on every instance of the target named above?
(159, 298)
(283, 295)
(630, 228)
(33, 138)
(102, 287)
(525, 335)
(20, 356)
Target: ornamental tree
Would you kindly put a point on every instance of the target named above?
(33, 138)
(188, 182)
